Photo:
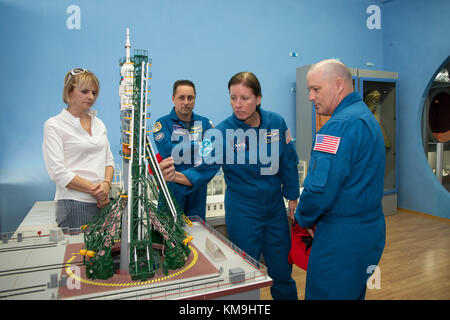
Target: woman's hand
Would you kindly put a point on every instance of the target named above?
(102, 204)
(101, 193)
(311, 232)
(292, 207)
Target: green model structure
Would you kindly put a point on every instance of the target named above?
(156, 238)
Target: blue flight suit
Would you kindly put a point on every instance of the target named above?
(342, 196)
(255, 212)
(173, 139)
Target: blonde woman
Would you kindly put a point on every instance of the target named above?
(77, 153)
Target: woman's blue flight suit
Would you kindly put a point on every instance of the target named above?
(255, 212)
(342, 196)
(170, 134)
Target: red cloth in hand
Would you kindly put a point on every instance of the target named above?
(159, 158)
(301, 242)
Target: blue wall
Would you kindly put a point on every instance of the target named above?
(206, 41)
(416, 43)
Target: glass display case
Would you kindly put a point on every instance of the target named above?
(381, 98)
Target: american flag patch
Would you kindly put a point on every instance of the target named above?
(326, 143)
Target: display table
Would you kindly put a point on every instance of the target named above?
(39, 261)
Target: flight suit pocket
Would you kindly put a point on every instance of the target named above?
(320, 174)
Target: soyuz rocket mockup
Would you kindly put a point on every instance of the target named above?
(136, 152)
(143, 216)
(126, 106)
(133, 111)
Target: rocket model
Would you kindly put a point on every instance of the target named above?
(126, 97)
(126, 111)
(144, 216)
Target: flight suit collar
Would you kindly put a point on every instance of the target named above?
(241, 123)
(350, 99)
(173, 116)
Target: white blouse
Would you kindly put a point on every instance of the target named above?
(69, 150)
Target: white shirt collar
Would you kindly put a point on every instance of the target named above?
(71, 118)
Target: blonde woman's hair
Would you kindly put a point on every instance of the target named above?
(79, 77)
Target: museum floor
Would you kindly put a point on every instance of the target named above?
(415, 263)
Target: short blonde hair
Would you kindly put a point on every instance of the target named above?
(83, 78)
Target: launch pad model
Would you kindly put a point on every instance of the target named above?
(140, 246)
(41, 261)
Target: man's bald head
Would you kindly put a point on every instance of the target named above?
(329, 81)
(332, 69)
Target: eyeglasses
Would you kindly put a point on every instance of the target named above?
(76, 71)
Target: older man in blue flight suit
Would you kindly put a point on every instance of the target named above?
(343, 189)
(178, 135)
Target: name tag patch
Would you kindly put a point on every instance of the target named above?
(272, 136)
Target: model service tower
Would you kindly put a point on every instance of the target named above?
(144, 217)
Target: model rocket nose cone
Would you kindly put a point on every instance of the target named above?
(127, 41)
(128, 46)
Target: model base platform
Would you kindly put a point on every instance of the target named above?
(41, 262)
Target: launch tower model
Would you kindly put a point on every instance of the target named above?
(144, 216)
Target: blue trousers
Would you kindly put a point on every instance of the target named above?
(261, 226)
(341, 257)
(192, 204)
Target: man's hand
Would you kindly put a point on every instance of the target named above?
(168, 169)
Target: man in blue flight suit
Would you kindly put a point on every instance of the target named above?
(343, 189)
(178, 135)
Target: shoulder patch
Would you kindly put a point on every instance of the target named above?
(205, 148)
(157, 126)
(272, 136)
(159, 136)
(327, 143)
